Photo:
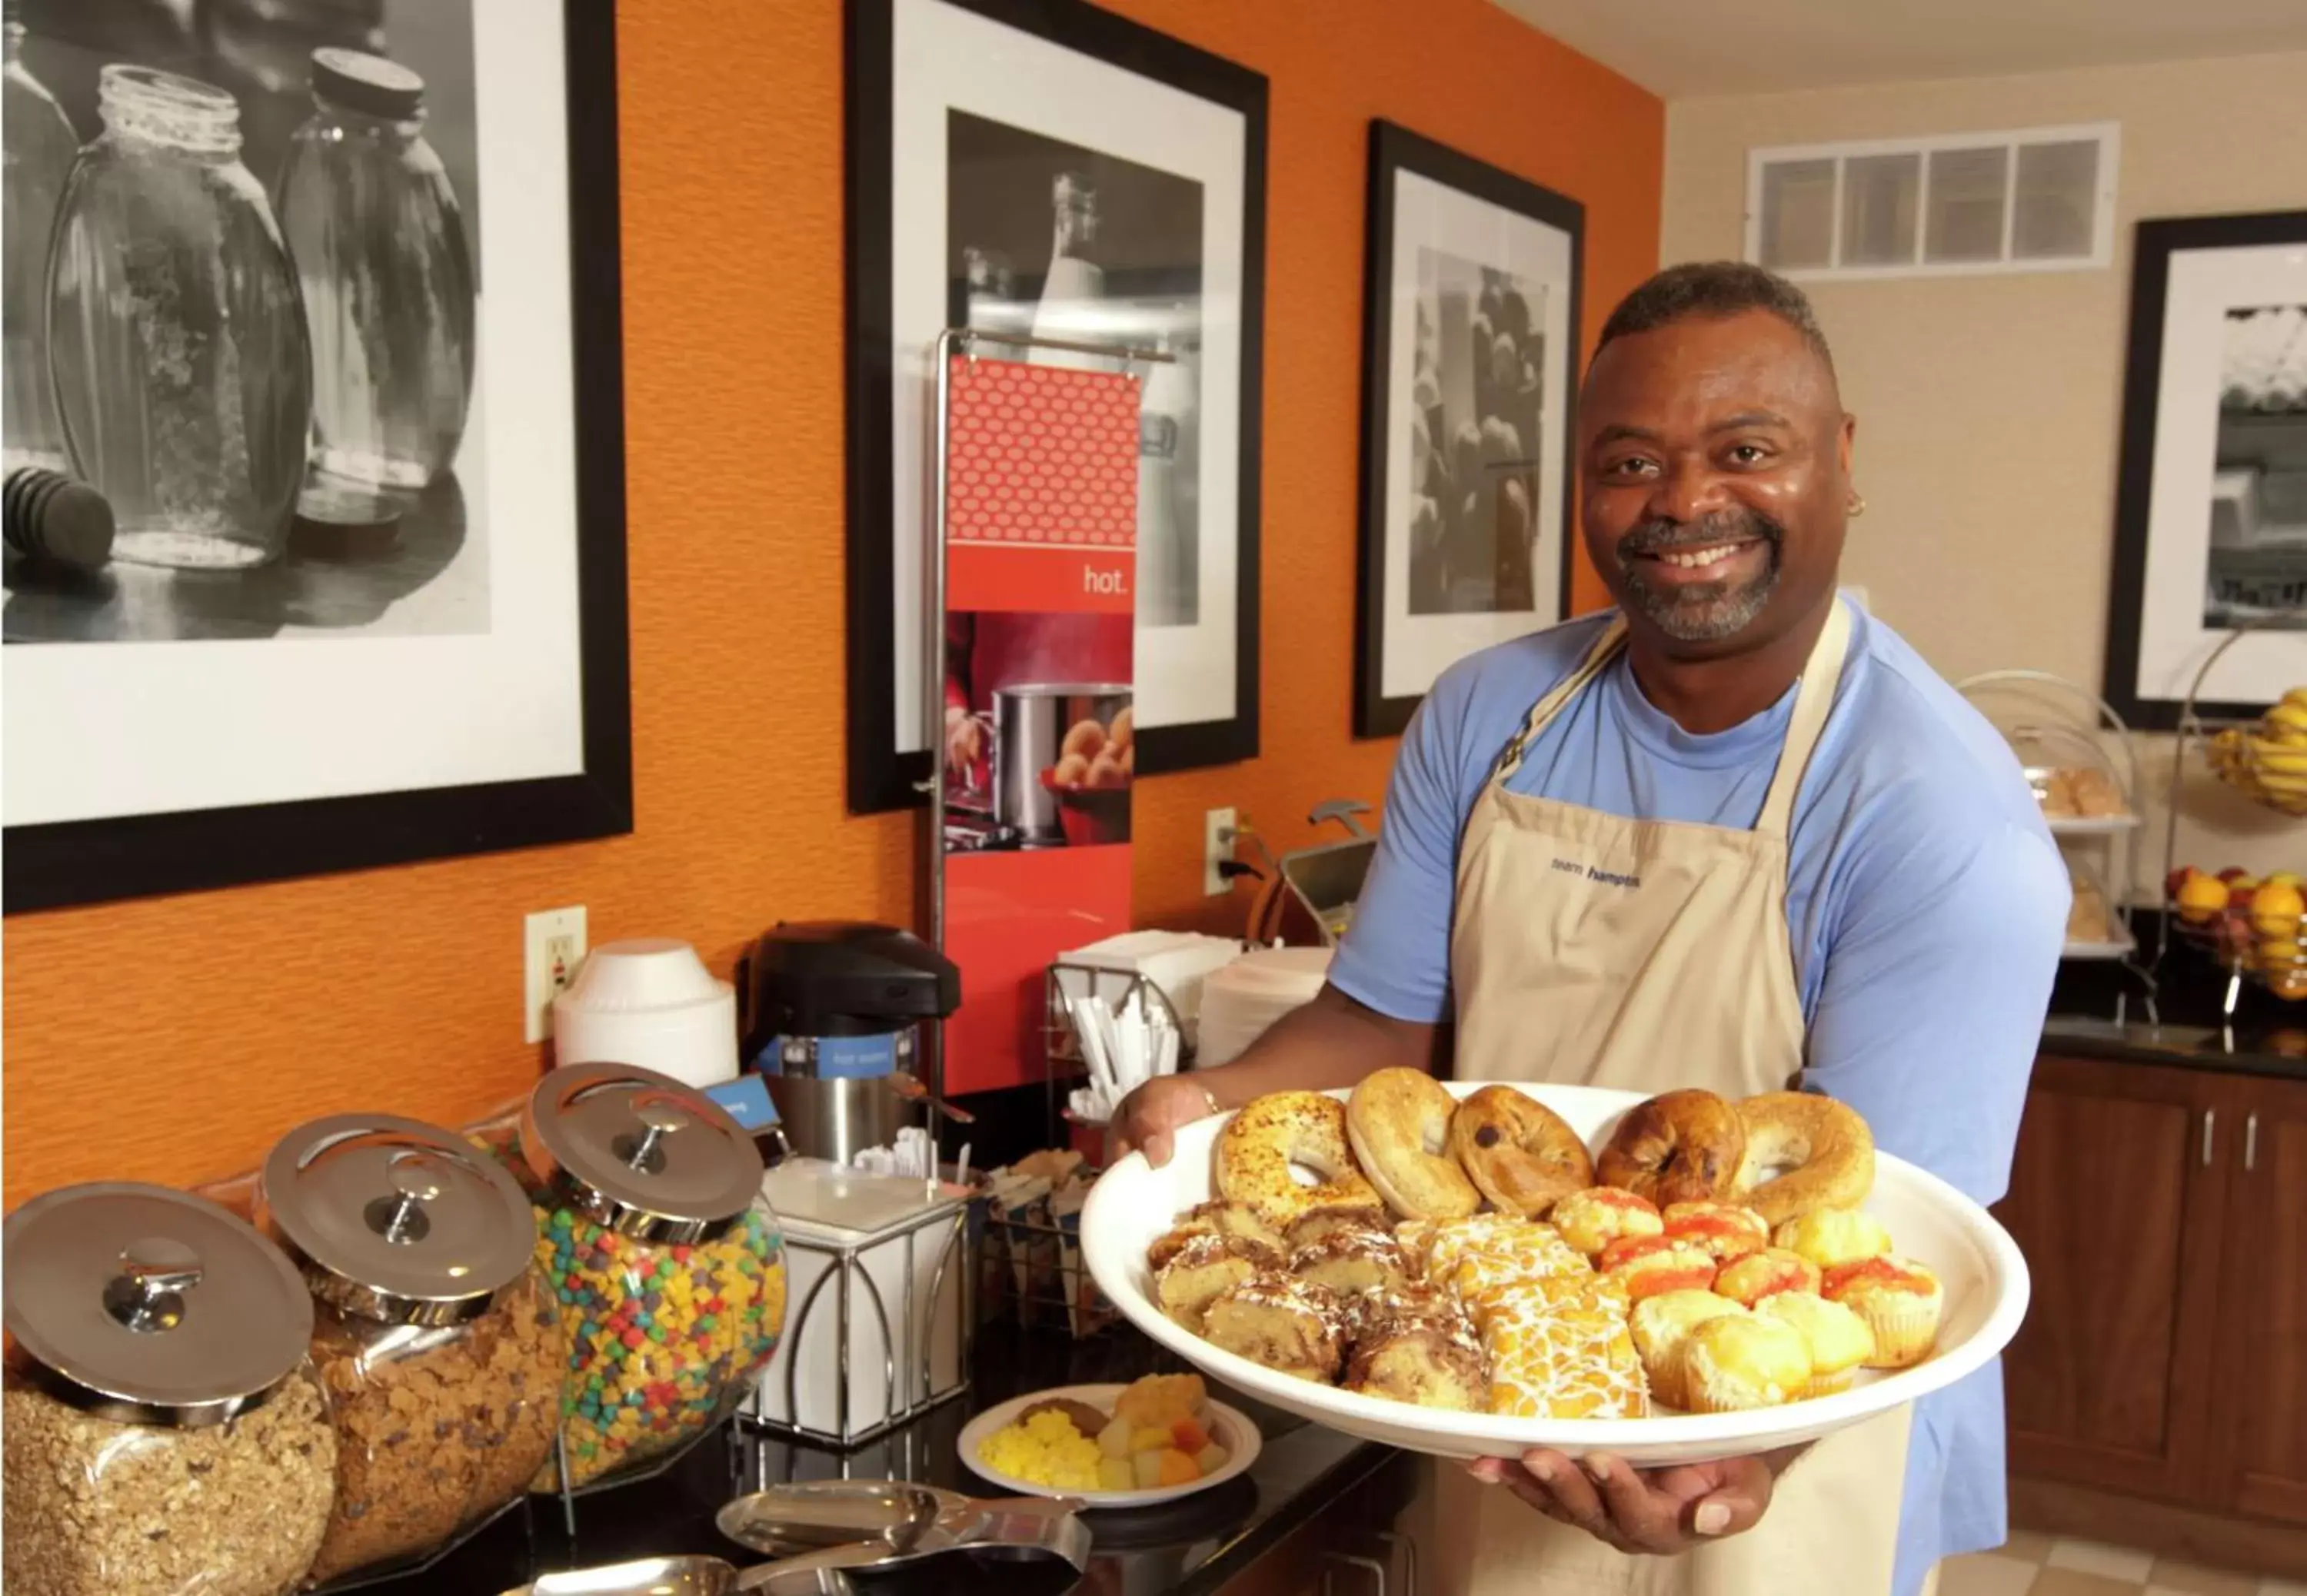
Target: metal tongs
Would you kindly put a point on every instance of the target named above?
(818, 1529)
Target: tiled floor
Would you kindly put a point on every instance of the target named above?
(2038, 1565)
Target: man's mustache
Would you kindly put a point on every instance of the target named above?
(1662, 535)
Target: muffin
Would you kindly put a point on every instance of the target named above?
(1724, 1229)
(1839, 1340)
(1833, 1237)
(1648, 1266)
(1316, 1224)
(1661, 1325)
(1203, 1266)
(1742, 1361)
(1351, 1262)
(1591, 1219)
(1760, 1275)
(1900, 1302)
(1287, 1324)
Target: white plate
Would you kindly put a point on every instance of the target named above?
(1229, 1426)
(1983, 1274)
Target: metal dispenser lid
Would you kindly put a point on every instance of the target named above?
(640, 1152)
(394, 1219)
(151, 1306)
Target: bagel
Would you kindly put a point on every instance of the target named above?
(1520, 1153)
(1398, 1121)
(1681, 1147)
(1803, 1152)
(1259, 1144)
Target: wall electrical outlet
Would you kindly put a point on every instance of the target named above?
(555, 942)
(1218, 827)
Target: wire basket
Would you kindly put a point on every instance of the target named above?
(2266, 760)
(1033, 1272)
(2263, 950)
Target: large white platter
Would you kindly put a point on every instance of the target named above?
(1984, 1277)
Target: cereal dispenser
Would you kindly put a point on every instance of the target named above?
(668, 1261)
(164, 1435)
(436, 1337)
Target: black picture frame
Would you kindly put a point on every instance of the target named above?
(2157, 241)
(1393, 149)
(879, 778)
(71, 863)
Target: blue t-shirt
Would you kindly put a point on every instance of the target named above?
(1925, 900)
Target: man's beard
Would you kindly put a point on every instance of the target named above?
(1703, 612)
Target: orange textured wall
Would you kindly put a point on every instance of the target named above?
(172, 1039)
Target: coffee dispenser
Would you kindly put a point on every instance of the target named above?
(831, 1015)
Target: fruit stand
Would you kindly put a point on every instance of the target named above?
(2252, 926)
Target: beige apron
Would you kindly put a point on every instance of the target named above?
(1649, 955)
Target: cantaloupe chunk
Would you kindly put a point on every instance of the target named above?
(1177, 1469)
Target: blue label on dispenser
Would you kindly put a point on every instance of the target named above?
(747, 1100)
(837, 1058)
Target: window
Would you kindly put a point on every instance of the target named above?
(2040, 200)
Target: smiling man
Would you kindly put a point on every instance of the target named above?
(1731, 834)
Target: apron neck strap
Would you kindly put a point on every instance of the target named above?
(1814, 699)
(1605, 649)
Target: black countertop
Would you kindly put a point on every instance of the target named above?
(1191, 1546)
(2244, 1050)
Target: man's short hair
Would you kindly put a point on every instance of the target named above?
(1713, 289)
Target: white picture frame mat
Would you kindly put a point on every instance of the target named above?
(2173, 643)
(99, 730)
(947, 59)
(1431, 215)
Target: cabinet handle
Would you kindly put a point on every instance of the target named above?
(2211, 1118)
(1409, 1544)
(2250, 1144)
(1372, 1564)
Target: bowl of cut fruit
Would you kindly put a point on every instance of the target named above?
(1112, 1446)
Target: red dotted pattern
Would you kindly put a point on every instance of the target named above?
(1041, 454)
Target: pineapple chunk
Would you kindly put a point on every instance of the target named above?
(1114, 1473)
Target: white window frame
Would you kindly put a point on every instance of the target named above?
(2109, 135)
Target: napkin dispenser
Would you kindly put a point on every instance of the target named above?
(878, 1278)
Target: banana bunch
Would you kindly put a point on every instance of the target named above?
(2268, 760)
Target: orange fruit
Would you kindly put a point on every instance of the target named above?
(2275, 908)
(2202, 898)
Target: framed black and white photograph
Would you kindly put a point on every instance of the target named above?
(314, 505)
(1044, 169)
(2211, 508)
(1470, 366)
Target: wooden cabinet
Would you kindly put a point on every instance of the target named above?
(2264, 1309)
(2164, 1216)
(1356, 1546)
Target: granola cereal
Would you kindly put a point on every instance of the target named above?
(95, 1507)
(436, 1428)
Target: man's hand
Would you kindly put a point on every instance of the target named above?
(1151, 1113)
(1657, 1512)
